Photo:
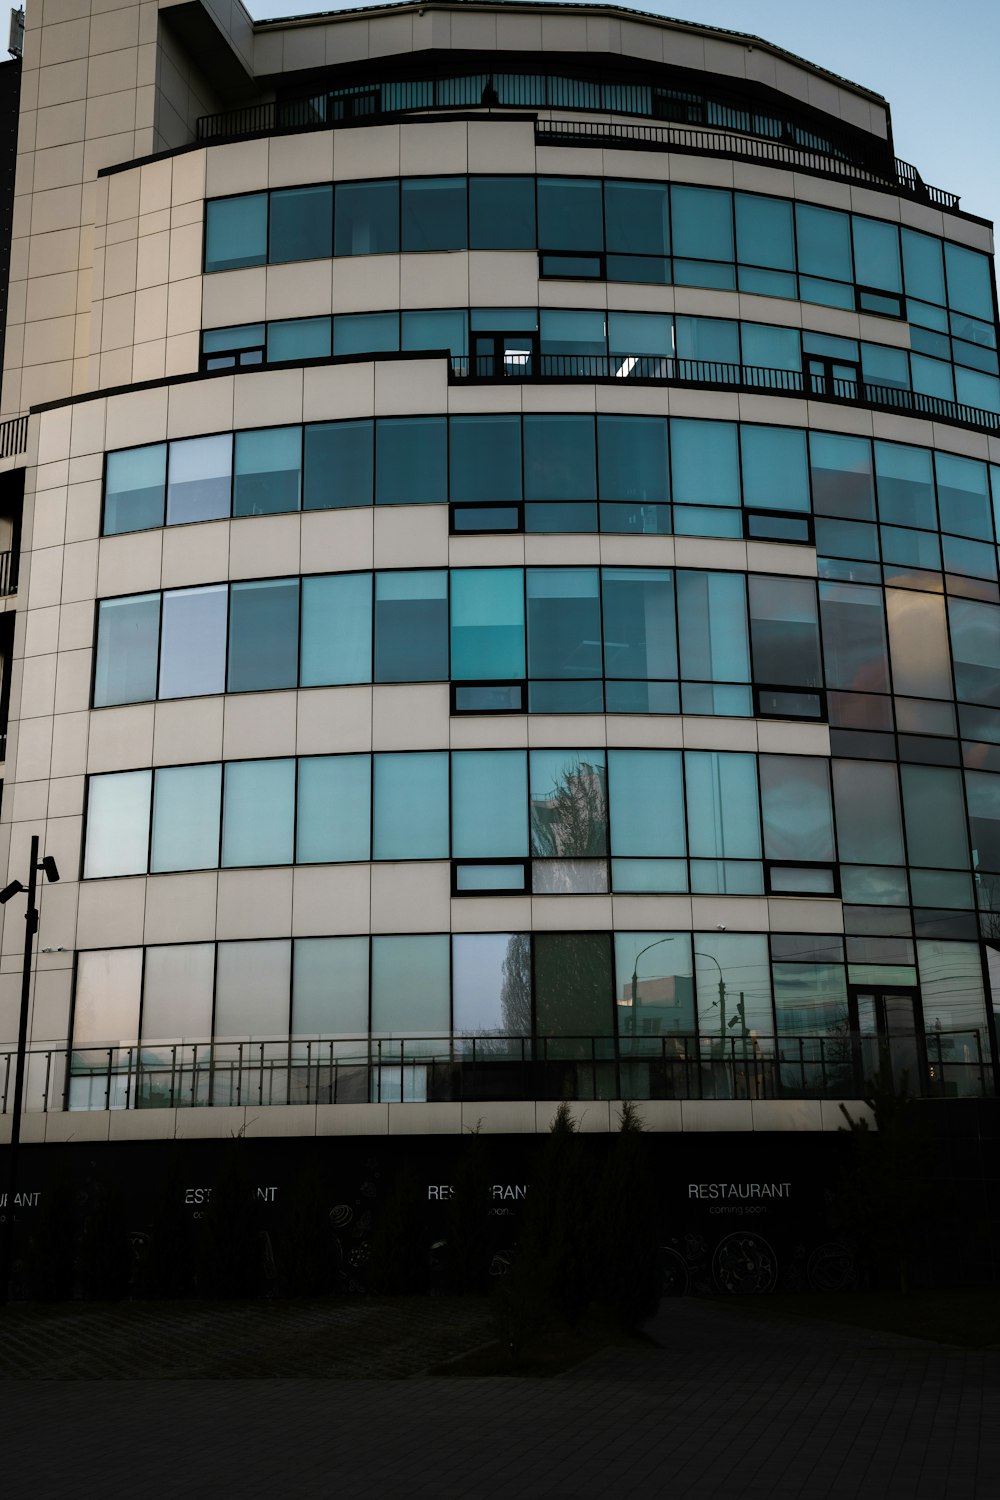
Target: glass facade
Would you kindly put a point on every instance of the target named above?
(578, 678)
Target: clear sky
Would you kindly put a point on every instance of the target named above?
(936, 63)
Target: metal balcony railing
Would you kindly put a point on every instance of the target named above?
(717, 374)
(13, 436)
(476, 1068)
(328, 110)
(8, 573)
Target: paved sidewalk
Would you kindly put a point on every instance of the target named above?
(725, 1406)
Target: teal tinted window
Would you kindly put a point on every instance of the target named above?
(570, 330)
(713, 339)
(487, 623)
(723, 821)
(881, 365)
(336, 629)
(712, 615)
(841, 474)
(267, 471)
(330, 987)
(193, 642)
(646, 796)
(117, 824)
(564, 623)
(411, 461)
(923, 266)
(969, 285)
(410, 819)
(128, 631)
(702, 221)
(876, 254)
(263, 635)
(187, 807)
(133, 489)
(301, 226)
(411, 985)
(339, 465)
(775, 468)
(489, 804)
(705, 463)
(333, 815)
(764, 232)
(640, 638)
(637, 218)
(201, 473)
(855, 651)
(411, 626)
(258, 822)
(436, 328)
(485, 458)
(769, 348)
(632, 459)
(824, 242)
(983, 793)
(641, 335)
(905, 485)
(502, 213)
(367, 218)
(654, 986)
(570, 215)
(559, 458)
(235, 232)
(434, 213)
(298, 339)
(365, 333)
(963, 496)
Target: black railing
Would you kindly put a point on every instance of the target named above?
(716, 374)
(13, 436)
(701, 141)
(750, 141)
(479, 1068)
(8, 573)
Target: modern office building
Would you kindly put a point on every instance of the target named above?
(505, 604)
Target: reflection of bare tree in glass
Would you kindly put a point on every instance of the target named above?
(515, 987)
(571, 822)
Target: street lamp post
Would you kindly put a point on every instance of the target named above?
(635, 972)
(48, 866)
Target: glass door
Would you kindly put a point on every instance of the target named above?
(890, 1036)
(512, 354)
(833, 377)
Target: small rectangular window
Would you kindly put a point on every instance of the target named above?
(336, 629)
(411, 626)
(411, 461)
(133, 489)
(434, 214)
(235, 232)
(333, 816)
(367, 218)
(117, 824)
(268, 471)
(258, 823)
(200, 480)
(502, 213)
(298, 339)
(128, 638)
(301, 226)
(187, 807)
(263, 635)
(339, 465)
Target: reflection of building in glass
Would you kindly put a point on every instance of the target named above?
(505, 601)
